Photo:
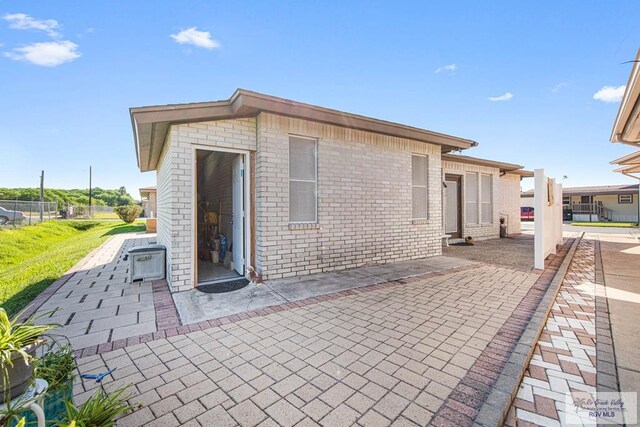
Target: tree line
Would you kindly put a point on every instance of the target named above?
(100, 197)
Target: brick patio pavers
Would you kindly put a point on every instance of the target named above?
(380, 356)
(564, 359)
(95, 304)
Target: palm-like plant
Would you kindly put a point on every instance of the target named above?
(18, 342)
(100, 410)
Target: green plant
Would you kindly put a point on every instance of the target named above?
(57, 366)
(100, 410)
(15, 336)
(82, 225)
(18, 343)
(128, 213)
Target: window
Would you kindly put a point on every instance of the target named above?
(419, 170)
(302, 179)
(566, 200)
(625, 199)
(486, 197)
(471, 197)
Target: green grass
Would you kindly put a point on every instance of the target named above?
(33, 257)
(605, 224)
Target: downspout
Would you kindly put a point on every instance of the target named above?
(638, 178)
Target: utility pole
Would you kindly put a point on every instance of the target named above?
(90, 192)
(41, 196)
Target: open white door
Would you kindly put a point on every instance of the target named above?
(238, 213)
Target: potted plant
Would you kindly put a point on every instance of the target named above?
(100, 410)
(503, 228)
(18, 344)
(57, 366)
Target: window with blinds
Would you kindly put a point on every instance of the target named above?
(303, 182)
(471, 197)
(486, 198)
(419, 170)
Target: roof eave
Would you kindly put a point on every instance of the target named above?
(629, 159)
(504, 167)
(626, 128)
(152, 123)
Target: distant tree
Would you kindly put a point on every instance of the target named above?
(80, 197)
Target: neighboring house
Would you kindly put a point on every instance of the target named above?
(149, 196)
(626, 128)
(297, 189)
(597, 203)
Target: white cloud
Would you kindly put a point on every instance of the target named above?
(610, 94)
(22, 21)
(559, 87)
(195, 37)
(46, 54)
(451, 68)
(507, 96)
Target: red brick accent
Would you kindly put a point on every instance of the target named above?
(475, 386)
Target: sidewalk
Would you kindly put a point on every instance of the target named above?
(591, 340)
(621, 265)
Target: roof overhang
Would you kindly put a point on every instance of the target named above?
(629, 159)
(631, 189)
(151, 124)
(146, 191)
(523, 173)
(626, 128)
(629, 169)
(504, 167)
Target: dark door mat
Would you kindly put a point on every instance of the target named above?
(218, 288)
(460, 244)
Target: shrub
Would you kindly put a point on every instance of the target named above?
(82, 226)
(128, 213)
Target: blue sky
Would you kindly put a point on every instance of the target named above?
(69, 71)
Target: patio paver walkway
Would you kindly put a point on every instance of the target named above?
(389, 353)
(96, 303)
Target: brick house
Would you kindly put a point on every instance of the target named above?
(297, 189)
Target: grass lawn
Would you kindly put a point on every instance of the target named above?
(605, 224)
(33, 257)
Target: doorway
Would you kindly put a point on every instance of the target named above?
(220, 216)
(453, 205)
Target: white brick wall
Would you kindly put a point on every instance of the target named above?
(477, 231)
(176, 187)
(165, 199)
(364, 200)
(364, 197)
(509, 201)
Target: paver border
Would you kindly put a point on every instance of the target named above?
(485, 393)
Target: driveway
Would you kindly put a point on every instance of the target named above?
(407, 352)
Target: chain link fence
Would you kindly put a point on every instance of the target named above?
(20, 212)
(17, 213)
(86, 212)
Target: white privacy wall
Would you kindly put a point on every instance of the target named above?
(548, 217)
